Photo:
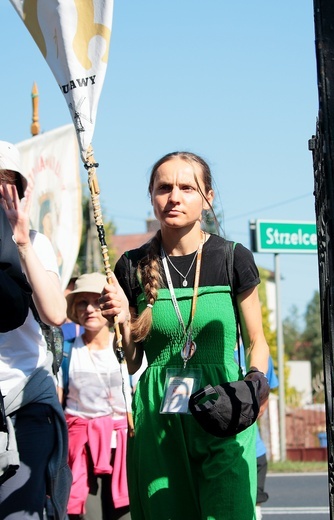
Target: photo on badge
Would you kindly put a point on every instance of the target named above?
(178, 389)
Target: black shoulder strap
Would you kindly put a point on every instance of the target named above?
(65, 364)
(54, 338)
(229, 248)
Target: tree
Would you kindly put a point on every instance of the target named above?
(212, 220)
(269, 333)
(311, 340)
(305, 344)
(292, 332)
(90, 256)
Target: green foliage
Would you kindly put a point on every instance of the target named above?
(304, 342)
(212, 221)
(90, 255)
(291, 466)
(269, 333)
(311, 339)
(292, 331)
(292, 396)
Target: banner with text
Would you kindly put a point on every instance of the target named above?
(74, 38)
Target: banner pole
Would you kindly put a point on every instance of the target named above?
(35, 127)
(91, 166)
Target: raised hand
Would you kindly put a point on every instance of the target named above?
(17, 212)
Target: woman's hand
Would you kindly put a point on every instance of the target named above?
(17, 212)
(47, 293)
(256, 375)
(113, 302)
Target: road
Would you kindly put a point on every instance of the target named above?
(294, 496)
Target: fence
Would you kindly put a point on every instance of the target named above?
(306, 437)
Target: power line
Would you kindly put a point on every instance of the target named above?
(267, 207)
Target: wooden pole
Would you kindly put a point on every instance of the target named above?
(35, 128)
(91, 166)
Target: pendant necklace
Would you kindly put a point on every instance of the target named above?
(189, 347)
(185, 281)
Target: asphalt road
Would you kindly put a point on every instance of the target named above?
(295, 496)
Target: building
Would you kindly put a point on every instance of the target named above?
(122, 243)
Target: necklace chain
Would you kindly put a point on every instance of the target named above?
(185, 281)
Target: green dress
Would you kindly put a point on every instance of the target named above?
(177, 471)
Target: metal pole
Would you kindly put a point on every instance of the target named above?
(322, 146)
(280, 358)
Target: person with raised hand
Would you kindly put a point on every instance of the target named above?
(26, 378)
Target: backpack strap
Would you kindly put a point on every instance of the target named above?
(229, 249)
(65, 364)
(54, 338)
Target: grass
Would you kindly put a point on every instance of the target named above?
(291, 466)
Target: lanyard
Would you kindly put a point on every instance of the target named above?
(189, 349)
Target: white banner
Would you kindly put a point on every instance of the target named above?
(51, 163)
(74, 38)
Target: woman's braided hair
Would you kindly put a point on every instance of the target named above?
(149, 268)
(149, 273)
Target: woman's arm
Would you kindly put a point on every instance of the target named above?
(256, 347)
(47, 294)
(60, 394)
(113, 302)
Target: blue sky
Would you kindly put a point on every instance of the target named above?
(232, 81)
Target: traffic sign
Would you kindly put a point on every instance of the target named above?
(283, 236)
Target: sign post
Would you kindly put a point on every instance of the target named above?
(280, 236)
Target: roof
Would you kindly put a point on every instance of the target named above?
(122, 243)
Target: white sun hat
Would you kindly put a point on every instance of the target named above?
(86, 283)
(10, 160)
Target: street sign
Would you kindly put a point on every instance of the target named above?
(280, 236)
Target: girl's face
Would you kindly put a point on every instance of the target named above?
(176, 199)
(88, 311)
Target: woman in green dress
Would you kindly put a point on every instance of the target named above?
(173, 301)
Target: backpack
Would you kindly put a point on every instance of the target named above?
(54, 338)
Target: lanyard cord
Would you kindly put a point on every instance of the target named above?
(172, 292)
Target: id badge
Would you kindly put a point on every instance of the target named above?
(179, 385)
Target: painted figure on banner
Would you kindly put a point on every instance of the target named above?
(79, 59)
(52, 166)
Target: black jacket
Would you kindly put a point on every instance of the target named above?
(15, 292)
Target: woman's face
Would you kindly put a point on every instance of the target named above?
(7, 176)
(88, 311)
(175, 196)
